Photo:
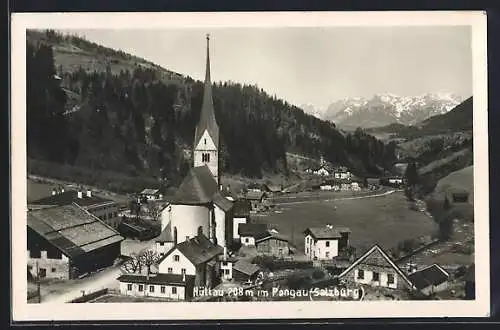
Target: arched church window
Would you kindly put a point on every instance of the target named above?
(205, 141)
(205, 157)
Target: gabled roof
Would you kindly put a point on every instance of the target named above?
(326, 232)
(246, 268)
(255, 195)
(162, 279)
(222, 202)
(148, 191)
(71, 196)
(198, 249)
(207, 116)
(198, 187)
(242, 208)
(253, 229)
(432, 275)
(270, 235)
(378, 249)
(71, 229)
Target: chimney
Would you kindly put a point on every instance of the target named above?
(89, 193)
(80, 194)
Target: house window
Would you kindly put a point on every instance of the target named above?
(170, 270)
(327, 244)
(307, 250)
(176, 258)
(151, 288)
(53, 270)
(183, 270)
(174, 290)
(361, 274)
(390, 278)
(247, 240)
(129, 287)
(376, 276)
(327, 254)
(226, 271)
(161, 243)
(141, 287)
(162, 289)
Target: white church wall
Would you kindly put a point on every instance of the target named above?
(187, 219)
(207, 146)
(220, 226)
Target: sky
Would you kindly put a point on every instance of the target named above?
(315, 66)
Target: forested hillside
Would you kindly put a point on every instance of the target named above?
(95, 108)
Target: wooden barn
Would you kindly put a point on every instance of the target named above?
(67, 241)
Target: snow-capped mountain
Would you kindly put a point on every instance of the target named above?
(312, 110)
(386, 108)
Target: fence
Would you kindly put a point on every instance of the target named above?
(87, 297)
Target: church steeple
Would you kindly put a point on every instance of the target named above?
(207, 115)
(206, 140)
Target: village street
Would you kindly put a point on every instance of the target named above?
(107, 278)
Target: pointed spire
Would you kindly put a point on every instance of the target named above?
(207, 115)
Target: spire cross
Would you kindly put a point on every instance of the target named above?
(208, 36)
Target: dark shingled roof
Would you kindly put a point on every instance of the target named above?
(166, 234)
(242, 208)
(162, 279)
(245, 267)
(207, 116)
(198, 187)
(198, 249)
(326, 232)
(69, 197)
(270, 235)
(222, 202)
(432, 275)
(257, 230)
(71, 229)
(149, 191)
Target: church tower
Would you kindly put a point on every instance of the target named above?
(206, 140)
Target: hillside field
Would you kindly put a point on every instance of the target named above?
(383, 220)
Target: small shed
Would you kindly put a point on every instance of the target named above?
(244, 271)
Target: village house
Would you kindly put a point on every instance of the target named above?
(198, 257)
(273, 244)
(323, 170)
(273, 189)
(241, 214)
(164, 242)
(226, 267)
(150, 194)
(171, 286)
(325, 243)
(250, 232)
(256, 198)
(376, 269)
(104, 209)
(430, 280)
(243, 271)
(67, 241)
(342, 173)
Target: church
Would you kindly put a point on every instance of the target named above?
(199, 207)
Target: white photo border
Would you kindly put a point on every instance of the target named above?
(22, 311)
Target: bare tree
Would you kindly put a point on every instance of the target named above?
(133, 265)
(147, 259)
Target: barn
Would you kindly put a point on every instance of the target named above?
(67, 241)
